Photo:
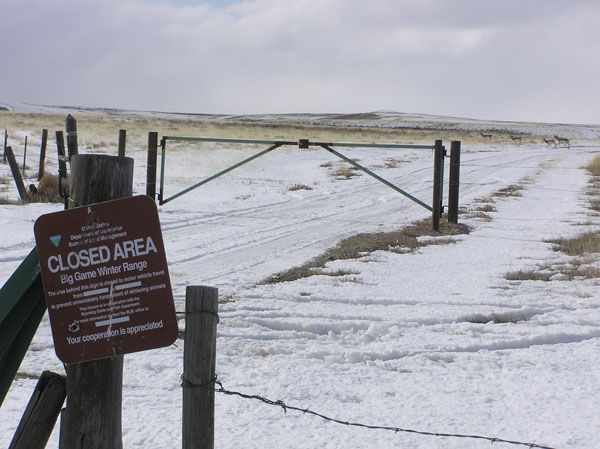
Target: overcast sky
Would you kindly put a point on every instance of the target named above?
(535, 60)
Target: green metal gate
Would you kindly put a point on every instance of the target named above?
(302, 144)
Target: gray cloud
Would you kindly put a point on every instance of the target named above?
(509, 59)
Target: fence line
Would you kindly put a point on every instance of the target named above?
(306, 411)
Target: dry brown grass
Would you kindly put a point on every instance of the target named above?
(497, 318)
(295, 187)
(7, 201)
(487, 207)
(48, 191)
(346, 173)
(404, 240)
(529, 275)
(508, 192)
(579, 245)
(594, 166)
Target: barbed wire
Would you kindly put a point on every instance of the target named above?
(279, 403)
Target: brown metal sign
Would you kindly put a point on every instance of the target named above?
(106, 279)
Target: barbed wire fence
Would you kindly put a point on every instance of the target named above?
(219, 387)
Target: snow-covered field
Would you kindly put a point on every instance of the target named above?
(436, 340)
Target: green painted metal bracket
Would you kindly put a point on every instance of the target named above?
(22, 306)
(213, 177)
(377, 177)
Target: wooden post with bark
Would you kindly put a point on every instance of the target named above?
(436, 213)
(5, 143)
(454, 182)
(60, 148)
(122, 142)
(199, 354)
(43, 154)
(151, 165)
(24, 155)
(92, 417)
(14, 168)
(72, 146)
(41, 413)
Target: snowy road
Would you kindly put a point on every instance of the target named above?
(435, 340)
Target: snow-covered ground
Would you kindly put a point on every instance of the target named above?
(436, 340)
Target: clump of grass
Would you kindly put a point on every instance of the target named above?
(497, 318)
(7, 201)
(345, 173)
(594, 166)
(296, 187)
(488, 207)
(529, 275)
(508, 192)
(327, 165)
(48, 190)
(579, 245)
(402, 241)
(586, 272)
(394, 163)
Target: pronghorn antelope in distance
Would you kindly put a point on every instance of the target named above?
(562, 142)
(516, 139)
(552, 143)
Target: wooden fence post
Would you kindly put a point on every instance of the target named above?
(151, 165)
(199, 353)
(5, 143)
(14, 167)
(41, 413)
(71, 126)
(92, 417)
(43, 154)
(122, 142)
(454, 182)
(60, 148)
(437, 184)
(24, 155)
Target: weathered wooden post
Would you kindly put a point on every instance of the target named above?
(5, 143)
(60, 148)
(14, 167)
(151, 165)
(199, 354)
(92, 417)
(454, 182)
(122, 142)
(41, 413)
(71, 126)
(24, 155)
(43, 154)
(437, 185)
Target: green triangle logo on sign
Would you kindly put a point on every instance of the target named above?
(55, 239)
